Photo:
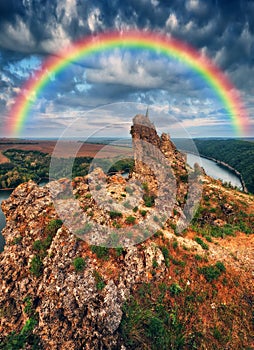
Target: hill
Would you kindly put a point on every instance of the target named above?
(151, 282)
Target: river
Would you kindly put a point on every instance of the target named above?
(211, 168)
(214, 170)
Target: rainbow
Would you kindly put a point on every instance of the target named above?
(138, 40)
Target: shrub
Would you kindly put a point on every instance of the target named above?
(149, 200)
(129, 234)
(217, 334)
(28, 309)
(143, 212)
(212, 272)
(156, 219)
(184, 178)
(144, 290)
(101, 252)
(165, 253)
(130, 220)
(41, 246)
(220, 266)
(158, 234)
(116, 225)
(155, 329)
(37, 245)
(202, 243)
(17, 240)
(113, 238)
(198, 257)
(175, 245)
(175, 212)
(175, 289)
(155, 263)
(173, 226)
(127, 205)
(119, 251)
(53, 226)
(135, 209)
(18, 341)
(226, 230)
(79, 264)
(36, 267)
(115, 214)
(145, 186)
(100, 283)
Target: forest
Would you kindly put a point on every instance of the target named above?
(239, 154)
(34, 165)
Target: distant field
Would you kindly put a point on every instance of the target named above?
(86, 150)
(3, 159)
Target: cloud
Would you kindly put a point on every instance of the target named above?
(30, 30)
(17, 34)
(172, 22)
(123, 70)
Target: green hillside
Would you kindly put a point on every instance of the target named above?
(237, 153)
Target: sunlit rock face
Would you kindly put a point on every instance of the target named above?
(52, 302)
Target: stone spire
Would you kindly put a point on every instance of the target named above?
(147, 110)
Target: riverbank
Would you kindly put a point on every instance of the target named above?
(42, 181)
(224, 165)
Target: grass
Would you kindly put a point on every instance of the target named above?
(146, 326)
(42, 245)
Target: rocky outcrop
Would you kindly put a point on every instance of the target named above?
(72, 311)
(153, 152)
(58, 292)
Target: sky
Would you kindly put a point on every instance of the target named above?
(96, 94)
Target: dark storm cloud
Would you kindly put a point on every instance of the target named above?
(32, 29)
(34, 26)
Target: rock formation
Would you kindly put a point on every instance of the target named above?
(167, 292)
